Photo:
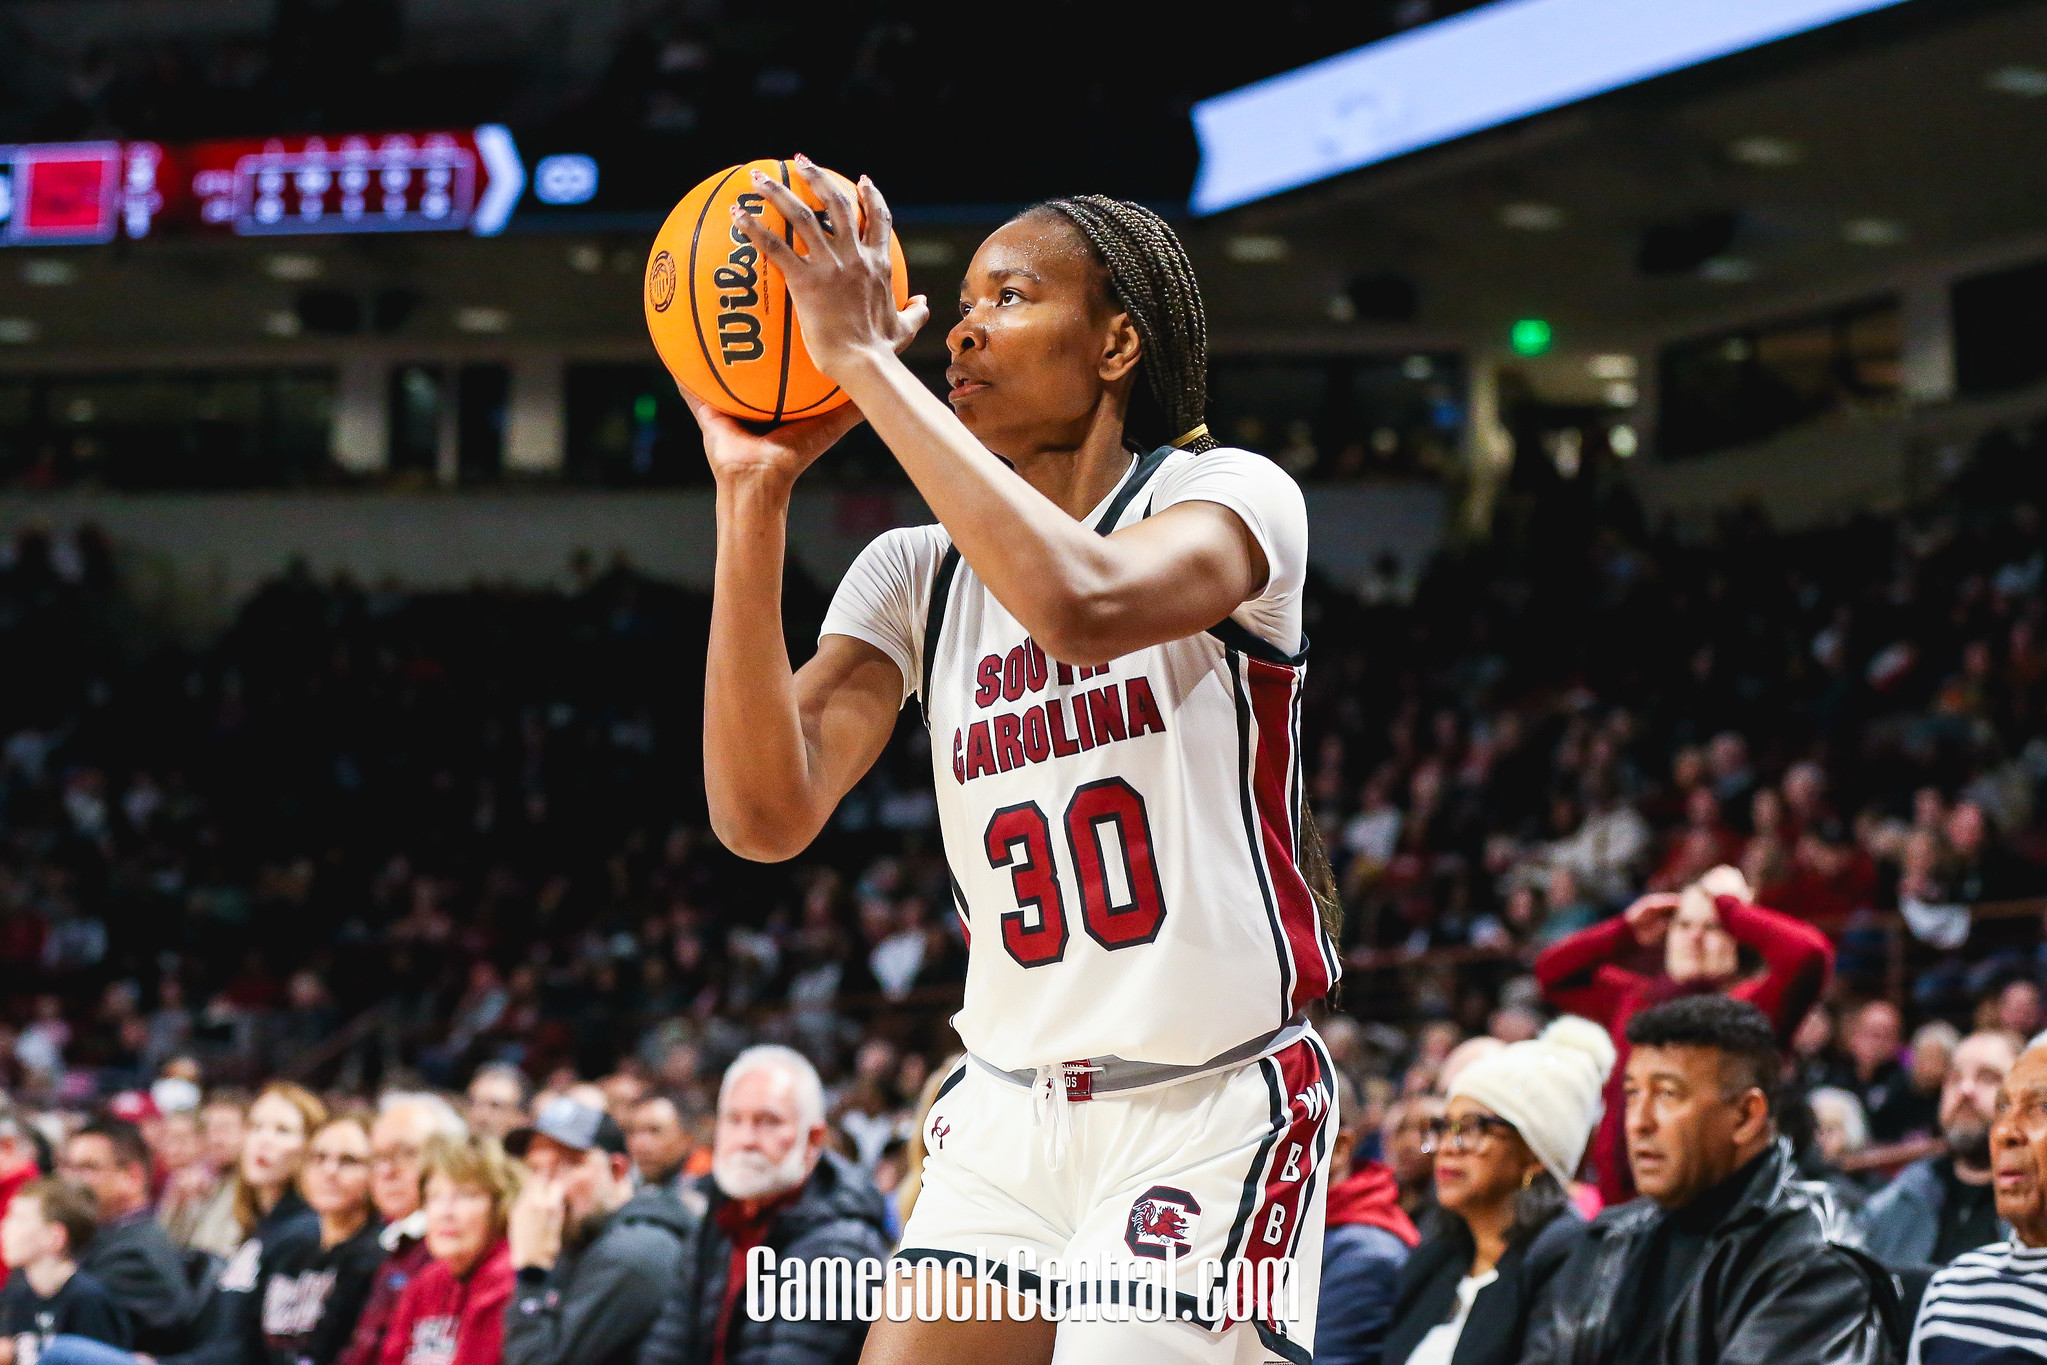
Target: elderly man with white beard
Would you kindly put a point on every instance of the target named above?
(772, 1184)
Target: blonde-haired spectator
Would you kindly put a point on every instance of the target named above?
(454, 1313)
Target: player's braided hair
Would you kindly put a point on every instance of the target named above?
(1151, 279)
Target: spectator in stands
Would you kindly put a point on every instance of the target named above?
(18, 1163)
(1404, 1145)
(1700, 932)
(1928, 1060)
(498, 1097)
(177, 1147)
(773, 1183)
(1368, 1239)
(405, 1124)
(453, 1313)
(1506, 1151)
(2018, 1008)
(272, 1215)
(594, 1260)
(1989, 1306)
(1875, 1044)
(49, 1304)
(1938, 1208)
(199, 1207)
(658, 1140)
(131, 1254)
(1729, 1259)
(315, 1286)
(1839, 1128)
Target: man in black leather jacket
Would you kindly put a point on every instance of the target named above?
(1729, 1259)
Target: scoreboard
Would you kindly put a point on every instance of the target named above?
(442, 181)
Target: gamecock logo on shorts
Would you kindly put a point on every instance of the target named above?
(1162, 1217)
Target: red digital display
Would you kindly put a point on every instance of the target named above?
(59, 192)
(465, 180)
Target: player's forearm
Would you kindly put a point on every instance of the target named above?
(1065, 584)
(758, 774)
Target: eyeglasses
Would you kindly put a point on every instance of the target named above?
(347, 1161)
(1461, 1134)
(392, 1156)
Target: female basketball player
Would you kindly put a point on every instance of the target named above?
(1105, 634)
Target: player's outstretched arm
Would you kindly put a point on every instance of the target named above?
(780, 747)
(1084, 598)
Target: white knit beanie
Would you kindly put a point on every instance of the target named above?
(1548, 1088)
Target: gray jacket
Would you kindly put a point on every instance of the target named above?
(598, 1301)
(1901, 1221)
(145, 1273)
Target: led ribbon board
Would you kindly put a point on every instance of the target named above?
(1464, 74)
(466, 180)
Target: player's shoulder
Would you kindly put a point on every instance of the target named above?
(908, 547)
(928, 539)
(1245, 469)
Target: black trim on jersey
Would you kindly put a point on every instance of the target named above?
(959, 902)
(1292, 1351)
(1233, 635)
(959, 1073)
(1255, 1181)
(1288, 973)
(934, 623)
(1132, 486)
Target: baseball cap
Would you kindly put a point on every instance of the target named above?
(573, 1124)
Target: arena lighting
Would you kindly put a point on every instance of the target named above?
(1530, 337)
(1460, 75)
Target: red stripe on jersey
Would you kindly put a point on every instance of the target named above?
(1289, 1180)
(1272, 703)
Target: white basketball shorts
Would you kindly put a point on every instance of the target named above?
(1220, 1179)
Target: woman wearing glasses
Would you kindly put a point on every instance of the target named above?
(1505, 1149)
(320, 1281)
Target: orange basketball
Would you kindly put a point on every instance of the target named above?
(721, 317)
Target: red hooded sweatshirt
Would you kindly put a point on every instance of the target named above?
(1371, 1195)
(442, 1320)
(1583, 974)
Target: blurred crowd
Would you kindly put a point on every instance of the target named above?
(368, 842)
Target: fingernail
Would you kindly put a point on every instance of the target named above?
(802, 158)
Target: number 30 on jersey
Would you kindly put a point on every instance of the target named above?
(1104, 820)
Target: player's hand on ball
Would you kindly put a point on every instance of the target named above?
(777, 456)
(841, 280)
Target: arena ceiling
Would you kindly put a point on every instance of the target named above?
(1828, 169)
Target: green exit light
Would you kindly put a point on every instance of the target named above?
(1530, 336)
(644, 408)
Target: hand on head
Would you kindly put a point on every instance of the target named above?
(1650, 916)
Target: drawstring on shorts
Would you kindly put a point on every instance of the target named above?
(1049, 1092)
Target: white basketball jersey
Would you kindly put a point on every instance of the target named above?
(1124, 840)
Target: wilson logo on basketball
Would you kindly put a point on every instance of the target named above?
(726, 306)
(661, 281)
(739, 332)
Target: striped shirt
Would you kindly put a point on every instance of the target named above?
(1987, 1307)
